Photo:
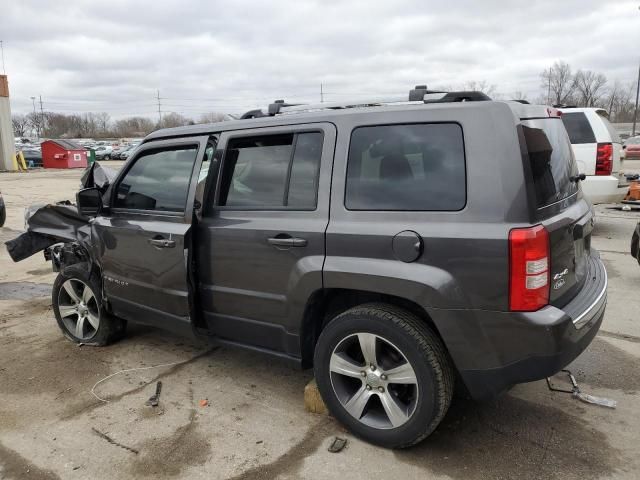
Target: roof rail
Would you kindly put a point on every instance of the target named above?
(420, 94)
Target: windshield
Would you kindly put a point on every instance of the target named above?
(551, 160)
(633, 141)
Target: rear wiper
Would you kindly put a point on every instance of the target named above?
(577, 178)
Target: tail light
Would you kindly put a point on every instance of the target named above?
(604, 159)
(528, 268)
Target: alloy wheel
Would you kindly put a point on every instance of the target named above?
(78, 309)
(374, 381)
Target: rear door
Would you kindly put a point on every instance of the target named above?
(564, 213)
(583, 140)
(145, 236)
(261, 239)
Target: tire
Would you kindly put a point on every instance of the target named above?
(411, 369)
(3, 213)
(77, 305)
(107, 157)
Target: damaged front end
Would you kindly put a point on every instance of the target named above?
(60, 230)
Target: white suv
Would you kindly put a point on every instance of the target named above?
(598, 151)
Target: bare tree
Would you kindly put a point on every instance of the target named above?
(103, 123)
(213, 117)
(558, 82)
(133, 127)
(518, 95)
(480, 86)
(590, 87)
(20, 125)
(173, 119)
(37, 122)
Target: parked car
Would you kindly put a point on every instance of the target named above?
(103, 152)
(3, 211)
(124, 154)
(632, 148)
(32, 156)
(598, 151)
(368, 242)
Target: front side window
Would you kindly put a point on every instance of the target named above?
(272, 171)
(158, 180)
(415, 167)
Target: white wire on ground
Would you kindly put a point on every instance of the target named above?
(131, 370)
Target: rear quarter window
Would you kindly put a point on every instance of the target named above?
(615, 137)
(550, 159)
(410, 167)
(578, 128)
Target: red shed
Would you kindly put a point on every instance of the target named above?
(63, 154)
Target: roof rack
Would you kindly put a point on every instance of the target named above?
(420, 94)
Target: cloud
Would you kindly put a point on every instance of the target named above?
(82, 55)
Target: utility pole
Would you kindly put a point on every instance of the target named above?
(35, 117)
(159, 111)
(635, 111)
(321, 94)
(549, 89)
(41, 115)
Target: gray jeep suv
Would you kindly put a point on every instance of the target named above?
(398, 248)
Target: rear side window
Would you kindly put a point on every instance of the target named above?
(272, 171)
(551, 160)
(158, 180)
(419, 167)
(578, 127)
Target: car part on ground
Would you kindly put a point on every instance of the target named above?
(577, 393)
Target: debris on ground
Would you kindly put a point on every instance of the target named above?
(204, 402)
(583, 397)
(154, 400)
(337, 445)
(313, 402)
(106, 437)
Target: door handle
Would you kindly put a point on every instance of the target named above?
(162, 243)
(287, 241)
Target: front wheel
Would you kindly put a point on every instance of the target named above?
(384, 374)
(107, 157)
(77, 305)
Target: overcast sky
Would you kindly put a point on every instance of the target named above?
(84, 55)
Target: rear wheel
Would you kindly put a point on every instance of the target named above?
(77, 305)
(384, 374)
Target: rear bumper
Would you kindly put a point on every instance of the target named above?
(603, 189)
(494, 350)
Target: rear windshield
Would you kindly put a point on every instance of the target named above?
(578, 128)
(551, 160)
